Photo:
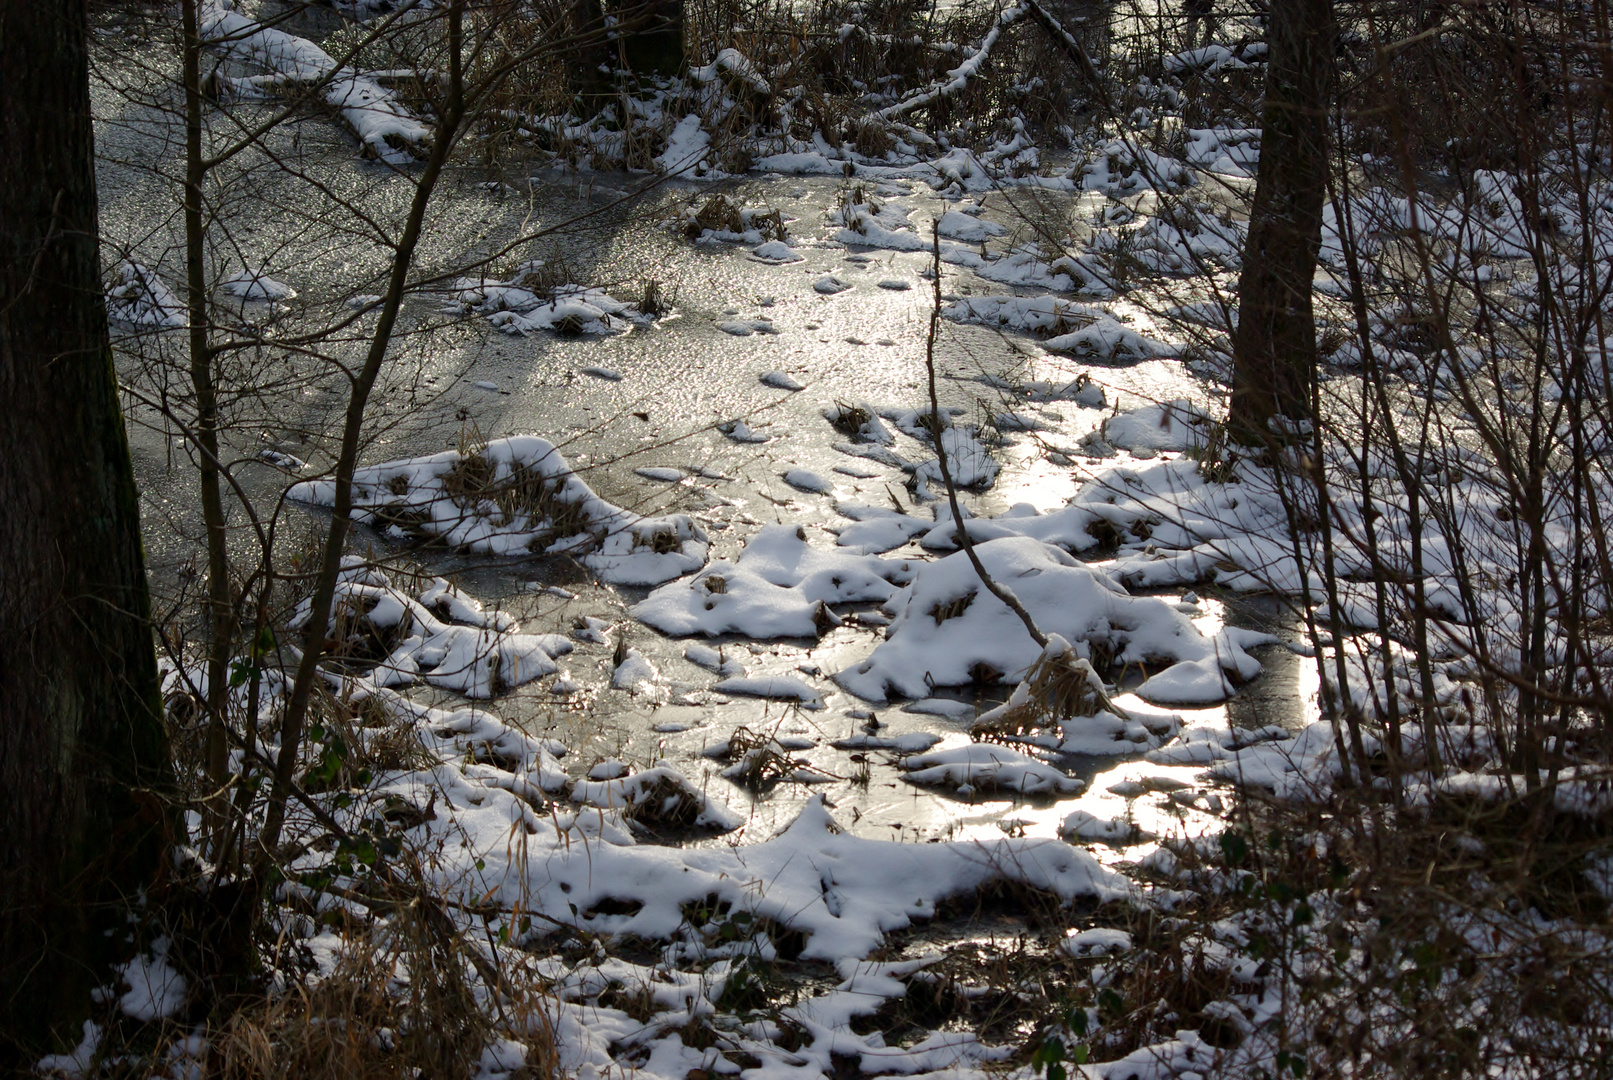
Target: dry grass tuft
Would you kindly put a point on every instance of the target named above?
(1058, 686)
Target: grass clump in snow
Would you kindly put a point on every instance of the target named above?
(720, 218)
(758, 760)
(1059, 685)
(521, 492)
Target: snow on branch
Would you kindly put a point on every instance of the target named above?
(387, 130)
(959, 76)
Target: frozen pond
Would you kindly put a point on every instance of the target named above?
(677, 381)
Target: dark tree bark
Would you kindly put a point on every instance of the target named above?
(591, 56)
(83, 757)
(1274, 346)
(652, 36)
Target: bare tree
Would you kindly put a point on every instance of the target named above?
(1274, 345)
(82, 747)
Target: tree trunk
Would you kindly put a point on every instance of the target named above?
(83, 757)
(652, 36)
(589, 59)
(1274, 346)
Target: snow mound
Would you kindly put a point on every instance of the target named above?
(687, 149)
(777, 687)
(781, 381)
(141, 298)
(1169, 425)
(741, 432)
(1108, 338)
(658, 796)
(780, 586)
(1080, 825)
(806, 480)
(985, 767)
(252, 284)
(517, 496)
(878, 529)
(383, 125)
(521, 306)
(948, 630)
(441, 637)
(956, 225)
(776, 251)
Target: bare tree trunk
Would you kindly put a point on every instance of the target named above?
(83, 757)
(1274, 346)
(590, 61)
(221, 606)
(652, 36)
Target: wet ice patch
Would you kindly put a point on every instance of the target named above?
(776, 687)
(518, 496)
(747, 327)
(662, 473)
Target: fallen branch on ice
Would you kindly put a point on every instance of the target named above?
(387, 130)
